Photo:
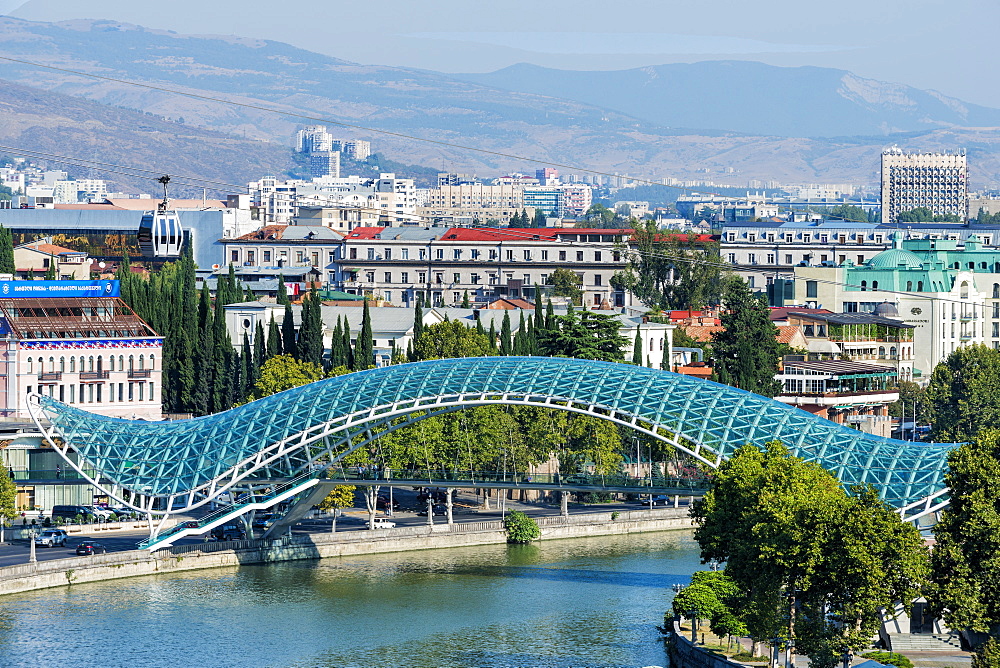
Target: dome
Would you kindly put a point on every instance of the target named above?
(887, 310)
(895, 258)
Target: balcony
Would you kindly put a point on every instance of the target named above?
(94, 375)
(51, 376)
(140, 373)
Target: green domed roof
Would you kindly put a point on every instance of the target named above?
(894, 258)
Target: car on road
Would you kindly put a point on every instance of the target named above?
(51, 538)
(264, 521)
(229, 532)
(383, 523)
(438, 510)
(70, 513)
(89, 547)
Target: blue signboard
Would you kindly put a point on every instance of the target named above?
(36, 289)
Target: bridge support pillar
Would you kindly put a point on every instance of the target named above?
(564, 504)
(451, 518)
(677, 501)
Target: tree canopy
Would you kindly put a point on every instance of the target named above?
(584, 335)
(671, 271)
(746, 352)
(283, 373)
(451, 338)
(963, 393)
(566, 283)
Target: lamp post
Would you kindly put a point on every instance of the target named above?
(31, 542)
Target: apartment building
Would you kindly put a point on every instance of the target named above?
(401, 265)
(936, 181)
(394, 199)
(943, 303)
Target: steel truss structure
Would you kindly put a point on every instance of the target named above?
(187, 463)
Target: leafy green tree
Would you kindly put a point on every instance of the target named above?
(283, 373)
(540, 219)
(746, 352)
(811, 563)
(6, 251)
(965, 568)
(912, 398)
(584, 335)
(922, 214)
(600, 216)
(342, 496)
(566, 283)
(671, 271)
(963, 393)
(451, 339)
(521, 528)
(8, 500)
(849, 212)
(987, 656)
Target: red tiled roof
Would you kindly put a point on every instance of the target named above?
(266, 232)
(702, 333)
(365, 232)
(787, 332)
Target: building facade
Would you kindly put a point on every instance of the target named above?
(936, 181)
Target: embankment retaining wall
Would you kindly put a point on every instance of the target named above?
(62, 572)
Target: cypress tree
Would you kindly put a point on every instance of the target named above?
(493, 334)
(204, 356)
(282, 296)
(337, 345)
(418, 328)
(364, 355)
(465, 300)
(288, 342)
(637, 349)
(550, 316)
(223, 349)
(348, 350)
(530, 337)
(259, 347)
(505, 342)
(50, 270)
(247, 375)
(273, 348)
(520, 346)
(539, 314)
(310, 343)
(6, 251)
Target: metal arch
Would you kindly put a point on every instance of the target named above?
(193, 461)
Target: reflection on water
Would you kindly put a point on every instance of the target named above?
(579, 602)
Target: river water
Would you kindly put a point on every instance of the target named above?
(577, 602)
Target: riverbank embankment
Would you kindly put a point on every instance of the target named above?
(134, 563)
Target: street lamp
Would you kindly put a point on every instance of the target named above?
(31, 542)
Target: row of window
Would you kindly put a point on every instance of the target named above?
(525, 254)
(439, 278)
(94, 393)
(805, 237)
(771, 258)
(86, 364)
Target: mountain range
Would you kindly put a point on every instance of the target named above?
(687, 121)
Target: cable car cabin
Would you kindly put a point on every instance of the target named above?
(160, 234)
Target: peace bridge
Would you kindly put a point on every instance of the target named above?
(278, 448)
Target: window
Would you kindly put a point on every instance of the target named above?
(842, 260)
(824, 238)
(388, 277)
(597, 256)
(370, 276)
(996, 330)
(598, 280)
(404, 277)
(371, 254)
(422, 277)
(562, 256)
(732, 258)
(788, 258)
(510, 255)
(457, 277)
(770, 258)
(807, 238)
(864, 285)
(751, 258)
(812, 289)
(423, 253)
(474, 253)
(438, 253)
(266, 256)
(474, 279)
(439, 278)
(457, 254)
(579, 256)
(493, 254)
(545, 255)
(909, 286)
(527, 255)
(404, 254)
(920, 286)
(996, 291)
(353, 254)
(234, 256)
(456, 298)
(996, 310)
(874, 285)
(387, 295)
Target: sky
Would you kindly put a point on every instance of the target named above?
(931, 44)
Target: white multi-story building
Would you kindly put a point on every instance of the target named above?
(313, 138)
(936, 181)
(393, 198)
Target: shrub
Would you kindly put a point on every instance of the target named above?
(520, 528)
(615, 515)
(889, 658)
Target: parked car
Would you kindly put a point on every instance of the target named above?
(51, 538)
(90, 547)
(438, 510)
(229, 532)
(382, 502)
(264, 521)
(383, 523)
(70, 512)
(99, 512)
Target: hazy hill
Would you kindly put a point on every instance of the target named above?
(584, 135)
(750, 97)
